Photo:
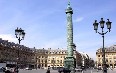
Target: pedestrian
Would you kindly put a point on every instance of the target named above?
(16, 70)
(60, 70)
(48, 71)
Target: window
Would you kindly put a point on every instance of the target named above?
(57, 61)
(39, 60)
(42, 61)
(60, 61)
(53, 61)
(99, 60)
(106, 55)
(45, 61)
(110, 58)
(98, 55)
(106, 60)
(45, 65)
(114, 57)
(110, 61)
(115, 61)
(53, 52)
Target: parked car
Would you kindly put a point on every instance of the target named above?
(60, 69)
(28, 68)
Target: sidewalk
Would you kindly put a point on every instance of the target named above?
(108, 71)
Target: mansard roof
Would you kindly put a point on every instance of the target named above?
(108, 49)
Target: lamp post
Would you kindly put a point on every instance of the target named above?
(36, 58)
(83, 61)
(53, 61)
(20, 34)
(36, 63)
(95, 24)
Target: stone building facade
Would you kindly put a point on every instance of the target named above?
(54, 58)
(85, 59)
(9, 54)
(33, 57)
(41, 56)
(110, 56)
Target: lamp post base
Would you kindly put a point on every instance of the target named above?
(70, 63)
(104, 68)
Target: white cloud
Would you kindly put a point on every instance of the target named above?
(8, 37)
(78, 19)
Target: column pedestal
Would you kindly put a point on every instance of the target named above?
(70, 63)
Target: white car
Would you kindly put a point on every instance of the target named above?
(28, 68)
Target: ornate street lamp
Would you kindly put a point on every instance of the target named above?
(20, 34)
(36, 58)
(95, 24)
(108, 23)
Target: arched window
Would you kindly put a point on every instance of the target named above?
(60, 61)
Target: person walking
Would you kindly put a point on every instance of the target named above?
(48, 71)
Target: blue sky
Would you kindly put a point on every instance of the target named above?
(44, 22)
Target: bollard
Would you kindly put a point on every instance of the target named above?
(48, 71)
(91, 71)
(82, 71)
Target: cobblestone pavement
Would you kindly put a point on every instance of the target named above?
(55, 71)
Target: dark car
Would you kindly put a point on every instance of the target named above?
(64, 70)
(60, 69)
(1, 70)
